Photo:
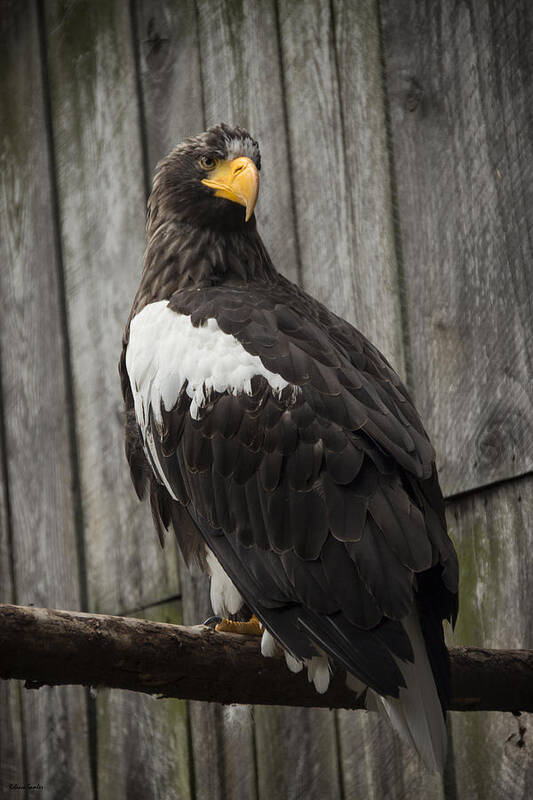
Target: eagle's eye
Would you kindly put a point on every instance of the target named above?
(207, 163)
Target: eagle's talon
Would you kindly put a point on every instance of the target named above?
(251, 628)
(212, 622)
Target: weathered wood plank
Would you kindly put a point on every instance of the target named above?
(296, 753)
(243, 86)
(493, 533)
(207, 730)
(222, 736)
(340, 164)
(101, 200)
(171, 81)
(372, 273)
(460, 93)
(36, 412)
(11, 724)
(33, 376)
(224, 757)
(376, 763)
(143, 742)
(11, 736)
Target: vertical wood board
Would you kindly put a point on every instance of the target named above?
(34, 383)
(11, 723)
(11, 736)
(377, 764)
(222, 737)
(332, 79)
(493, 533)
(35, 407)
(143, 741)
(461, 106)
(296, 753)
(373, 269)
(101, 201)
(171, 84)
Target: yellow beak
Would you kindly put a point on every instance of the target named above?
(236, 180)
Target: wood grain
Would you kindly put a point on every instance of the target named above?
(171, 82)
(143, 744)
(206, 719)
(460, 93)
(376, 764)
(372, 272)
(340, 165)
(222, 737)
(297, 753)
(11, 736)
(11, 723)
(493, 533)
(101, 203)
(36, 412)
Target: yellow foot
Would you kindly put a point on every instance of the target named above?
(251, 628)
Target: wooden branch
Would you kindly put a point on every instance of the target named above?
(49, 647)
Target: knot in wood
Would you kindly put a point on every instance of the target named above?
(413, 94)
(156, 45)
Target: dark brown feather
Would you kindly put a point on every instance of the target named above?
(322, 504)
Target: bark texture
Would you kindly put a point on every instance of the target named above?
(50, 647)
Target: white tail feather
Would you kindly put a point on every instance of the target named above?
(318, 672)
(417, 715)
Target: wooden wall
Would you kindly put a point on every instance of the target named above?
(398, 188)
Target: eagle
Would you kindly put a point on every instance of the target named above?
(285, 451)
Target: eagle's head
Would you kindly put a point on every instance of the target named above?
(211, 180)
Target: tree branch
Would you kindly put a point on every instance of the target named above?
(45, 646)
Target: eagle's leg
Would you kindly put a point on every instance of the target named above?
(251, 628)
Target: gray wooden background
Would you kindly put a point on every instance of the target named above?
(397, 187)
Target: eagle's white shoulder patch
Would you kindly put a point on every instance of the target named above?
(166, 351)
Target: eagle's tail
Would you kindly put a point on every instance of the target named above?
(417, 714)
